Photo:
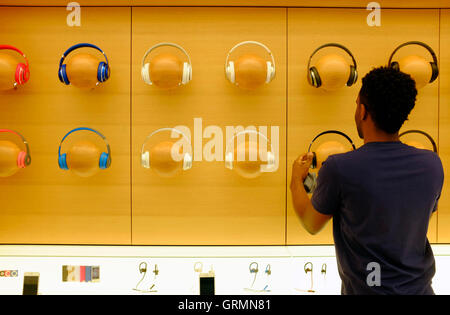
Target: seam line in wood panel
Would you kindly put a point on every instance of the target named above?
(131, 125)
(286, 139)
(439, 112)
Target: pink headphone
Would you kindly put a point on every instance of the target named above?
(23, 70)
(24, 158)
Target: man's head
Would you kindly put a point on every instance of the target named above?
(385, 100)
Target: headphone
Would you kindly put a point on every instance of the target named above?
(229, 156)
(145, 155)
(24, 158)
(187, 66)
(433, 64)
(229, 65)
(422, 133)
(313, 73)
(22, 70)
(314, 161)
(103, 71)
(105, 157)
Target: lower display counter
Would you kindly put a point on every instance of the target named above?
(173, 270)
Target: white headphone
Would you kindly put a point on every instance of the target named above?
(229, 155)
(187, 157)
(229, 65)
(187, 67)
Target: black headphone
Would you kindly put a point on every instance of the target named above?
(434, 63)
(313, 73)
(314, 161)
(422, 133)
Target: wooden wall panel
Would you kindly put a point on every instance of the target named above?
(208, 204)
(312, 110)
(43, 204)
(444, 128)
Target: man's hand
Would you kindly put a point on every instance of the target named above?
(300, 169)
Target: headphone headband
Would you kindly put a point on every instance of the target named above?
(25, 142)
(251, 42)
(81, 45)
(333, 45)
(9, 47)
(335, 132)
(165, 44)
(430, 50)
(422, 133)
(87, 129)
(166, 129)
(248, 131)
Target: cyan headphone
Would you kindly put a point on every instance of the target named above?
(422, 133)
(314, 161)
(433, 64)
(103, 71)
(313, 73)
(105, 157)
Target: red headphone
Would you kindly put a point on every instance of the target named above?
(22, 70)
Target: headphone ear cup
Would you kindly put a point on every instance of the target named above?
(22, 74)
(230, 72)
(229, 160)
(435, 71)
(145, 159)
(21, 159)
(103, 163)
(102, 72)
(315, 77)
(270, 72)
(314, 161)
(270, 159)
(63, 75)
(353, 76)
(395, 65)
(187, 162)
(145, 73)
(62, 161)
(186, 74)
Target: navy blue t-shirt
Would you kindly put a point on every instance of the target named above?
(381, 197)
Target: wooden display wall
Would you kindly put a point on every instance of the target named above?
(208, 205)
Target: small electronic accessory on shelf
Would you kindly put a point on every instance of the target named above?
(207, 282)
(308, 268)
(143, 271)
(31, 283)
(323, 272)
(254, 269)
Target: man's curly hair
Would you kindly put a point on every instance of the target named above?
(389, 96)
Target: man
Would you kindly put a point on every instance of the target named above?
(380, 196)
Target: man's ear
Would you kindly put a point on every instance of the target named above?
(364, 112)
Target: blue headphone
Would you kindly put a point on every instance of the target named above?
(103, 71)
(105, 158)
